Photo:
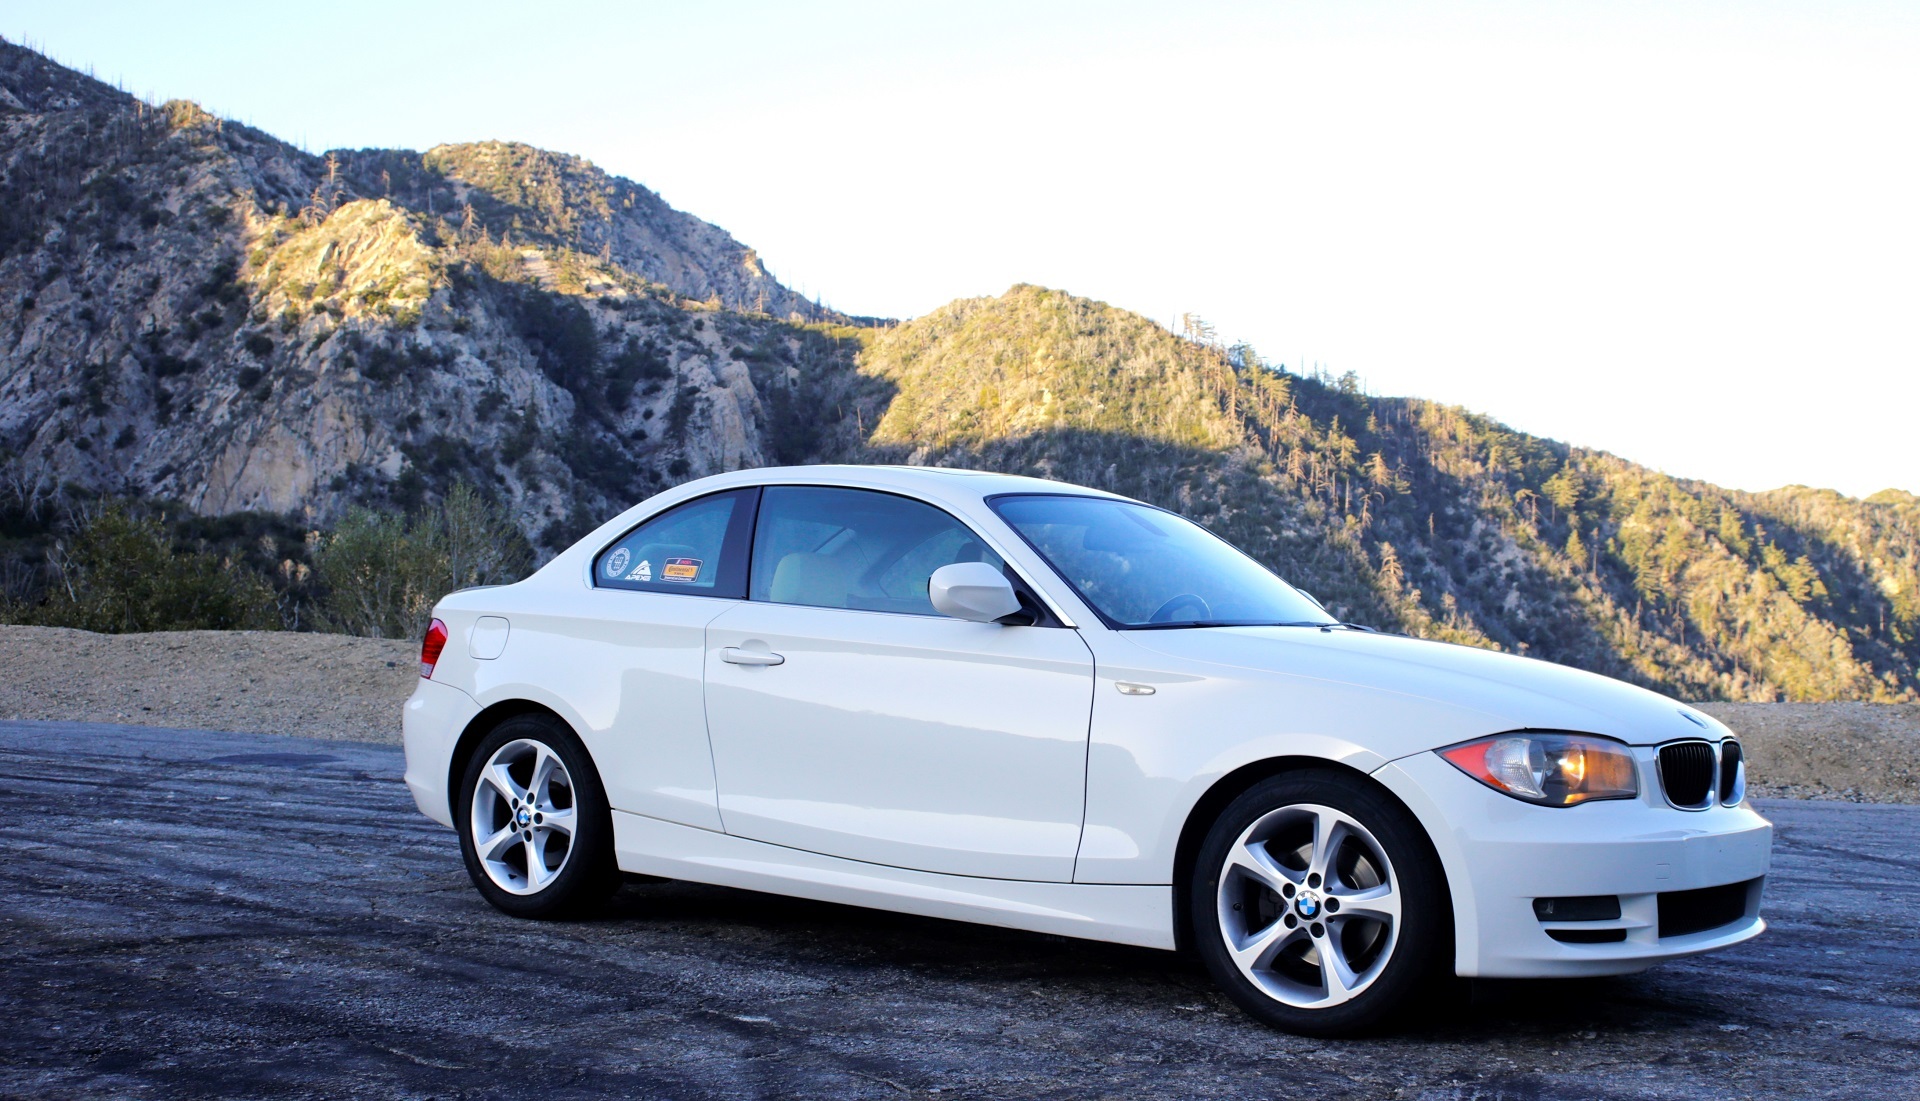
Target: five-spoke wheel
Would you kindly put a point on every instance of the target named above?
(1317, 903)
(537, 835)
(523, 816)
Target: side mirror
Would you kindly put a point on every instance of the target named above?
(972, 591)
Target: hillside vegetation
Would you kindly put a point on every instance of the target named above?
(236, 344)
(1418, 516)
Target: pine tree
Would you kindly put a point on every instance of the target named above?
(1576, 549)
(1390, 570)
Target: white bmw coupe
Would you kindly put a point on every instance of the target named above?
(1029, 704)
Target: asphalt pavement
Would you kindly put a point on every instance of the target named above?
(193, 914)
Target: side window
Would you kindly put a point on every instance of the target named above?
(854, 548)
(699, 548)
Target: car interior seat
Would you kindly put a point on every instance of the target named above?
(822, 580)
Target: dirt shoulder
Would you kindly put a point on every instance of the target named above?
(266, 682)
(1862, 752)
(351, 689)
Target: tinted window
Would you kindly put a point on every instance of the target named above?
(852, 548)
(1140, 566)
(698, 547)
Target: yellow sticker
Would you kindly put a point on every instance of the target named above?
(680, 569)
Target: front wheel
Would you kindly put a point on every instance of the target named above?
(1318, 904)
(536, 833)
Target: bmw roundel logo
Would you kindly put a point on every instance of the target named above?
(524, 817)
(1307, 905)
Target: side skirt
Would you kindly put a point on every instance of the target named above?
(1122, 914)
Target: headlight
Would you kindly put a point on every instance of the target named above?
(1553, 770)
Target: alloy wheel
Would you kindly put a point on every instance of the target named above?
(523, 816)
(1309, 906)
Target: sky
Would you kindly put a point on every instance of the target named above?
(1686, 233)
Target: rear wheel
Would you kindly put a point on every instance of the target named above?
(1318, 905)
(535, 829)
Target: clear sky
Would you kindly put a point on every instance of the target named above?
(1685, 233)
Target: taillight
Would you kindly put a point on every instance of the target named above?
(431, 646)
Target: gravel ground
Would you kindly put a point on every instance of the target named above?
(268, 682)
(195, 914)
(339, 687)
(1859, 752)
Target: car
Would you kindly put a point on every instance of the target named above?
(1014, 701)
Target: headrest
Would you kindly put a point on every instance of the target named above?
(817, 579)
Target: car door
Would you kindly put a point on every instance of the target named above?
(847, 717)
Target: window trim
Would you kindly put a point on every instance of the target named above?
(1111, 623)
(1049, 616)
(738, 534)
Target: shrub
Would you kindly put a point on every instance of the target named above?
(120, 573)
(384, 571)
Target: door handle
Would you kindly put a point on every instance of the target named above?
(734, 655)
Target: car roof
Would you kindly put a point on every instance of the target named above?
(960, 490)
(937, 481)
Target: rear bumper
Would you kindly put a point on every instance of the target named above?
(1501, 854)
(435, 717)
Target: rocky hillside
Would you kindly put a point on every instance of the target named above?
(191, 310)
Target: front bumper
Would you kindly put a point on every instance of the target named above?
(1501, 854)
(435, 717)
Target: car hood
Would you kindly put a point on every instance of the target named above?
(1515, 693)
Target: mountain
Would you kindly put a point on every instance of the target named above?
(191, 310)
(1417, 516)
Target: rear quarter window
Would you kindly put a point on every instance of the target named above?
(697, 548)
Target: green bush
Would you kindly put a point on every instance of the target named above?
(119, 572)
(383, 571)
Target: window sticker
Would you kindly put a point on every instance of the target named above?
(617, 561)
(680, 569)
(642, 572)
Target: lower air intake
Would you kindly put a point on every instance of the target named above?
(1683, 912)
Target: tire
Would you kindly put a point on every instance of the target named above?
(557, 859)
(1313, 867)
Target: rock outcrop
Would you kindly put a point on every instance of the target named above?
(191, 309)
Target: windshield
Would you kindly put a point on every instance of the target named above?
(1141, 567)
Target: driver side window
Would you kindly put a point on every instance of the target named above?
(856, 549)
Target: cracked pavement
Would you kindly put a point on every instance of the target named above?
(193, 914)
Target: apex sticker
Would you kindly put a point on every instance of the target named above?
(642, 572)
(680, 569)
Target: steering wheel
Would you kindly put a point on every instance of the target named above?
(1164, 613)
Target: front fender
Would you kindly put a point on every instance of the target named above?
(1152, 759)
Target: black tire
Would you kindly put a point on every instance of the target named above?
(587, 871)
(1408, 959)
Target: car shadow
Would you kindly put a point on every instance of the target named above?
(789, 931)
